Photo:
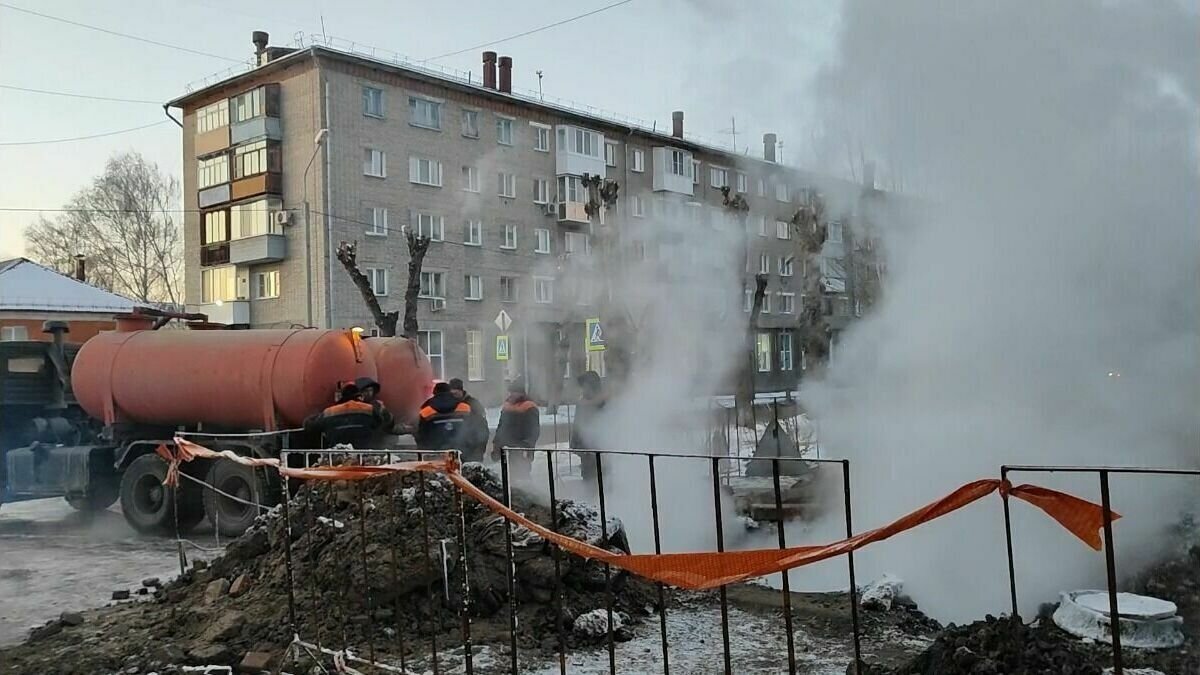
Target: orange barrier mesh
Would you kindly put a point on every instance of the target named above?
(705, 570)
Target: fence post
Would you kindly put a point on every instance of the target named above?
(465, 606)
(1110, 568)
(787, 589)
(287, 554)
(558, 610)
(512, 569)
(720, 548)
(850, 566)
(612, 648)
(368, 600)
(423, 499)
(662, 606)
(1012, 570)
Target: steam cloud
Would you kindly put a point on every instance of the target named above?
(1041, 308)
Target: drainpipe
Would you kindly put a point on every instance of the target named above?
(167, 112)
(328, 217)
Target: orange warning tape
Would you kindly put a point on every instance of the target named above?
(705, 570)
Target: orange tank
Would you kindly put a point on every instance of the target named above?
(404, 373)
(236, 379)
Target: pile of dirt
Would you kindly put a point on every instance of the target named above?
(401, 592)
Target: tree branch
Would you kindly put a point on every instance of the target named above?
(347, 254)
(418, 246)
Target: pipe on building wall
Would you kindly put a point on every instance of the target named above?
(328, 211)
(167, 112)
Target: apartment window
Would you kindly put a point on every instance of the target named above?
(509, 290)
(787, 265)
(834, 233)
(637, 160)
(14, 334)
(504, 131)
(429, 225)
(216, 227)
(762, 226)
(475, 355)
(424, 171)
(376, 218)
(766, 304)
(785, 351)
(213, 116)
(783, 229)
(510, 237)
(762, 352)
(378, 278)
(473, 233)
(762, 187)
(372, 101)
(787, 303)
(638, 205)
(570, 189)
(506, 185)
(472, 287)
(374, 163)
(681, 164)
(431, 344)
(718, 177)
(695, 172)
(470, 178)
(543, 241)
(541, 137)
(742, 182)
(576, 243)
(543, 290)
(423, 112)
(747, 301)
(584, 142)
(541, 191)
(266, 285)
(433, 285)
(610, 154)
(254, 218)
(470, 123)
(781, 192)
(212, 171)
(764, 264)
(249, 105)
(218, 284)
(255, 158)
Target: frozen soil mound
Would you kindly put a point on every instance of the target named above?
(216, 613)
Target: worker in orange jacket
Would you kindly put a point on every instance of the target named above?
(352, 420)
(443, 421)
(520, 426)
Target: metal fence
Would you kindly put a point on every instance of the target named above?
(1110, 565)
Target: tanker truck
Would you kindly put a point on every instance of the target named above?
(84, 422)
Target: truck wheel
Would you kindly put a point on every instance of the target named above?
(146, 503)
(232, 517)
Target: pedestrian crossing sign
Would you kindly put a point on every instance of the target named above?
(595, 335)
(501, 347)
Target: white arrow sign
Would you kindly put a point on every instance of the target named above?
(503, 321)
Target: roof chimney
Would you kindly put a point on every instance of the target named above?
(677, 124)
(769, 141)
(260, 39)
(489, 70)
(869, 175)
(80, 272)
(506, 74)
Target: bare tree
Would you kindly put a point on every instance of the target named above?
(387, 322)
(619, 326)
(418, 246)
(810, 230)
(740, 207)
(123, 224)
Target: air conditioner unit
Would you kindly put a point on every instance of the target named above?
(283, 218)
(437, 304)
(550, 209)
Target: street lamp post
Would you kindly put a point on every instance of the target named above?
(318, 141)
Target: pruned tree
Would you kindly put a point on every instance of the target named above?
(387, 322)
(744, 394)
(619, 326)
(418, 246)
(810, 230)
(123, 225)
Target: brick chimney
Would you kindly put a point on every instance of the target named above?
(769, 142)
(489, 70)
(677, 124)
(506, 74)
(260, 38)
(80, 271)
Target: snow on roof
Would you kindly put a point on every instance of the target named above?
(26, 285)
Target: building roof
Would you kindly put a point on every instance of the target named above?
(28, 286)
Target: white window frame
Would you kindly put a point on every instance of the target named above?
(570, 247)
(371, 94)
(473, 233)
(743, 182)
(437, 359)
(680, 163)
(541, 191)
(369, 164)
(762, 356)
(783, 229)
(787, 303)
(514, 284)
(786, 348)
(787, 265)
(475, 368)
(696, 166)
(718, 176)
(376, 275)
(426, 121)
(212, 116)
(433, 286)
(14, 334)
(502, 123)
(472, 287)
(570, 190)
(638, 206)
(747, 301)
(542, 240)
(610, 153)
(266, 285)
(766, 306)
(436, 225)
(470, 130)
(764, 263)
(506, 185)
(762, 226)
(510, 237)
(543, 290)
(470, 176)
(762, 187)
(834, 227)
(213, 170)
(781, 192)
(379, 221)
(637, 163)
(541, 136)
(424, 171)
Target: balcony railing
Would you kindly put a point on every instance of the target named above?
(214, 254)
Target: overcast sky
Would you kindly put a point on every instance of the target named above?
(644, 59)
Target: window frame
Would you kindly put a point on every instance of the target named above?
(470, 130)
(718, 176)
(543, 283)
(476, 372)
(374, 274)
(514, 285)
(437, 359)
(470, 176)
(541, 234)
(271, 160)
(212, 116)
(14, 334)
(743, 182)
(374, 229)
(783, 229)
(261, 280)
(541, 196)
(209, 168)
(470, 228)
(509, 228)
(787, 302)
(782, 193)
(437, 224)
(367, 100)
(369, 162)
(762, 356)
(610, 153)
(787, 360)
(787, 265)
(503, 122)
(207, 286)
(434, 170)
(830, 229)
(436, 279)
(541, 132)
(637, 163)
(415, 103)
(506, 181)
(764, 263)
(470, 280)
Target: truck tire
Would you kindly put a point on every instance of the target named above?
(148, 505)
(248, 484)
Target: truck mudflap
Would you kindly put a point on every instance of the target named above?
(39, 471)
